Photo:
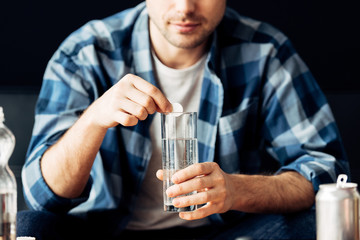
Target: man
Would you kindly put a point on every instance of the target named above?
(266, 136)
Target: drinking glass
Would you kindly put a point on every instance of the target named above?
(179, 150)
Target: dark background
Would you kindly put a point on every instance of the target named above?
(324, 34)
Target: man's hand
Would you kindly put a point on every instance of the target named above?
(67, 164)
(128, 101)
(220, 191)
(214, 188)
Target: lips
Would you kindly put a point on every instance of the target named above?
(185, 27)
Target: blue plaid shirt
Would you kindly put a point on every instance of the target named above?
(260, 111)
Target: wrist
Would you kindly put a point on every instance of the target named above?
(91, 119)
(249, 192)
(238, 186)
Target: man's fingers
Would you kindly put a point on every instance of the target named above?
(202, 212)
(160, 100)
(191, 185)
(142, 99)
(159, 174)
(125, 119)
(195, 199)
(192, 171)
(134, 109)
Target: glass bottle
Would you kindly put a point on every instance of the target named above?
(8, 191)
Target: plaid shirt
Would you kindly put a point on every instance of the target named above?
(260, 111)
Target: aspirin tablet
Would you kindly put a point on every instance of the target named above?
(178, 109)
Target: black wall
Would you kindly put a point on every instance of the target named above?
(325, 34)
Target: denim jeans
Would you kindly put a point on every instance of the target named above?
(46, 225)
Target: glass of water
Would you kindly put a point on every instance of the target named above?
(179, 150)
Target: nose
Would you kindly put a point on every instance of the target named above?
(185, 7)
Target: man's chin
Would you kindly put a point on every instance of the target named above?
(185, 42)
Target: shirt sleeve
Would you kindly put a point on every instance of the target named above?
(299, 128)
(64, 95)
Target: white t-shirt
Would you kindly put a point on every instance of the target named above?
(182, 86)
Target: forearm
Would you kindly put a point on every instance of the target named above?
(286, 192)
(67, 164)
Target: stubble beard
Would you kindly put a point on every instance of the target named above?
(184, 40)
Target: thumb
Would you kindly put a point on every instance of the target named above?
(159, 174)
